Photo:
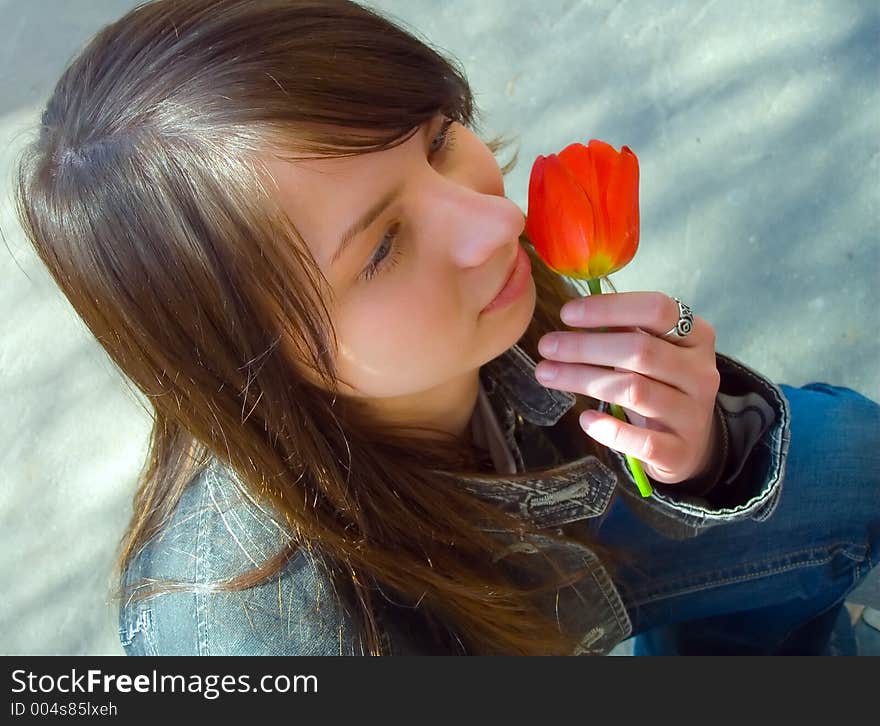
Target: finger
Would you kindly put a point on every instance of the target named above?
(659, 449)
(635, 351)
(635, 392)
(653, 312)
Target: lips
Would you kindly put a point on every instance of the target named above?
(507, 276)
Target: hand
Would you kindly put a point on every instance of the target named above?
(666, 388)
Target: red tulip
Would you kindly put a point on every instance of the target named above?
(583, 214)
(583, 221)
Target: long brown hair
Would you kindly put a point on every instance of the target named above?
(145, 198)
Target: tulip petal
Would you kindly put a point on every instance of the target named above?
(611, 179)
(583, 213)
(538, 220)
(574, 221)
(560, 218)
(622, 202)
(535, 222)
(579, 162)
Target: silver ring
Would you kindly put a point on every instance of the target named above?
(685, 322)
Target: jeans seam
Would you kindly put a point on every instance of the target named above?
(840, 548)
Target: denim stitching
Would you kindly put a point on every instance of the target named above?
(669, 589)
(782, 436)
(517, 492)
(235, 520)
(612, 597)
(142, 623)
(557, 402)
(202, 554)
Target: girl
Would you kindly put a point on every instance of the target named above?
(278, 221)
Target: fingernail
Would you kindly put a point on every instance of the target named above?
(545, 373)
(588, 419)
(548, 346)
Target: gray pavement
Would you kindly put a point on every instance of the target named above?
(757, 127)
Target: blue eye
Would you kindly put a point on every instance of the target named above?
(379, 263)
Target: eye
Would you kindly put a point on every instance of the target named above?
(379, 263)
(446, 139)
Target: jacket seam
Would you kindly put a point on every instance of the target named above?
(202, 557)
(612, 597)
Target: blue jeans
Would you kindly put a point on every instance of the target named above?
(775, 587)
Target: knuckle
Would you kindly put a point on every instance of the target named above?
(615, 437)
(580, 383)
(666, 310)
(643, 353)
(713, 381)
(649, 448)
(715, 378)
(635, 392)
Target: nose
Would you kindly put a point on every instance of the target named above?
(482, 226)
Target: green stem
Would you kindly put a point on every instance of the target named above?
(635, 466)
(595, 285)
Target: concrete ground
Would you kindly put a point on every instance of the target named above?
(757, 127)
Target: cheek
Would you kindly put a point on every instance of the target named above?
(401, 346)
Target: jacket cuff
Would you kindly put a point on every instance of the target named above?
(756, 418)
(702, 485)
(758, 426)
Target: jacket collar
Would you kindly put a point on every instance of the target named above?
(514, 373)
(544, 487)
(513, 414)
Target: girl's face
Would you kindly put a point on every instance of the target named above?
(439, 240)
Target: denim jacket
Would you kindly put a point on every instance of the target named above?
(218, 530)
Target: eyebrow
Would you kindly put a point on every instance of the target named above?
(371, 215)
(366, 221)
